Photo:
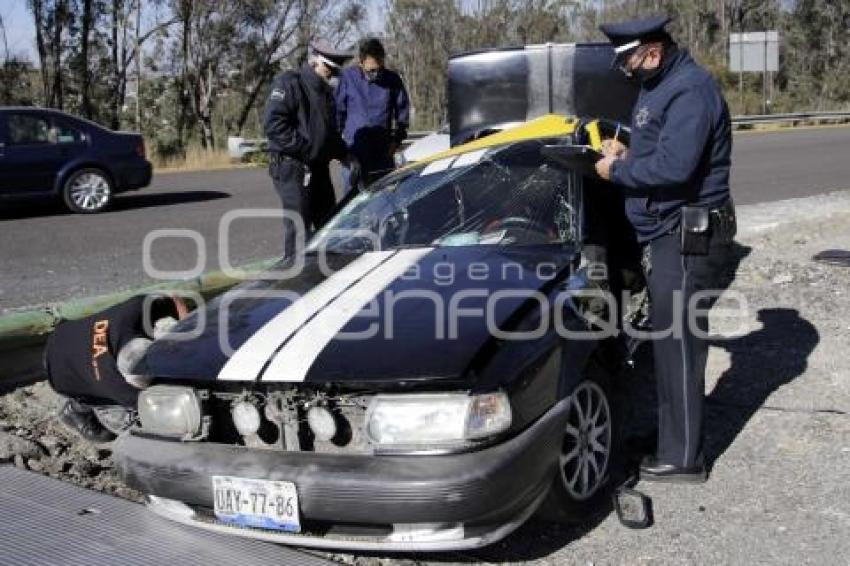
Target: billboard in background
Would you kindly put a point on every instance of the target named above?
(755, 52)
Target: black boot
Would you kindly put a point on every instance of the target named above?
(651, 469)
(81, 420)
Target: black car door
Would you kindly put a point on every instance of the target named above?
(31, 157)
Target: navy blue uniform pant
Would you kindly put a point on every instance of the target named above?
(680, 354)
(313, 203)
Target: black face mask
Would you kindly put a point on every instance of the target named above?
(372, 76)
(639, 73)
(646, 75)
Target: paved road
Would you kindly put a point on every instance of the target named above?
(49, 255)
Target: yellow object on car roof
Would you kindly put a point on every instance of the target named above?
(548, 126)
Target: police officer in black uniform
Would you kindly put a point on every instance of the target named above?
(300, 123)
(676, 178)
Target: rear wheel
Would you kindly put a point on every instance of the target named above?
(87, 191)
(589, 446)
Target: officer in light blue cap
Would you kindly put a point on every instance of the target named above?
(675, 175)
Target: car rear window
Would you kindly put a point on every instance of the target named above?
(63, 133)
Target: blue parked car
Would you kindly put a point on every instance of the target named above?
(47, 154)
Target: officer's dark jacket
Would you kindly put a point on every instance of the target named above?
(82, 355)
(680, 149)
(300, 118)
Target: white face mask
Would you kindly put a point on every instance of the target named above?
(333, 82)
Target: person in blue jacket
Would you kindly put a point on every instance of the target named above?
(675, 175)
(373, 110)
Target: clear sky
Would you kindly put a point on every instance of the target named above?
(20, 33)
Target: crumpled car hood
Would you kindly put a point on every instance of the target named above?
(405, 315)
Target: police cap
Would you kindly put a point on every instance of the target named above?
(629, 35)
(328, 54)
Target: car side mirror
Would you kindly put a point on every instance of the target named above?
(634, 509)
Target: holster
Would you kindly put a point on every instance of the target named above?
(695, 230)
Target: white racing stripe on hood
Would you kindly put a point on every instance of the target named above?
(247, 362)
(297, 356)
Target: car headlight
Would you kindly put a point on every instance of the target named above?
(169, 410)
(435, 419)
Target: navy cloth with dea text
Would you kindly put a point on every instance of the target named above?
(82, 355)
(681, 145)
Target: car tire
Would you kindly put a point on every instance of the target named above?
(589, 452)
(87, 191)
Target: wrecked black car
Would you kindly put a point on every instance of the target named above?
(422, 378)
(431, 372)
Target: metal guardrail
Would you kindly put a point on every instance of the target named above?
(239, 147)
(839, 116)
(828, 116)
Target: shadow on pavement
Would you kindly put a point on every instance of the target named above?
(762, 361)
(134, 201)
(638, 394)
(126, 201)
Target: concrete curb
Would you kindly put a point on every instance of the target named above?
(23, 334)
(755, 219)
(32, 325)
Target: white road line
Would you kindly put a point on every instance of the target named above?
(247, 362)
(297, 356)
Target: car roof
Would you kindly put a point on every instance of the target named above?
(35, 109)
(544, 127)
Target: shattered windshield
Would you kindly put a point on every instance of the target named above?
(509, 195)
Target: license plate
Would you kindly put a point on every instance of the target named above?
(257, 503)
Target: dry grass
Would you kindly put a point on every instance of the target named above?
(196, 159)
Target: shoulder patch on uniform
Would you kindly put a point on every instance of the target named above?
(642, 117)
(277, 94)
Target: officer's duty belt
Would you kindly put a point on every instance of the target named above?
(282, 158)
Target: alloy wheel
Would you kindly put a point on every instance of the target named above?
(90, 191)
(586, 447)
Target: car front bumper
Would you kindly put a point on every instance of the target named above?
(434, 502)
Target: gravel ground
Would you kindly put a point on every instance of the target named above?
(32, 438)
(777, 427)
